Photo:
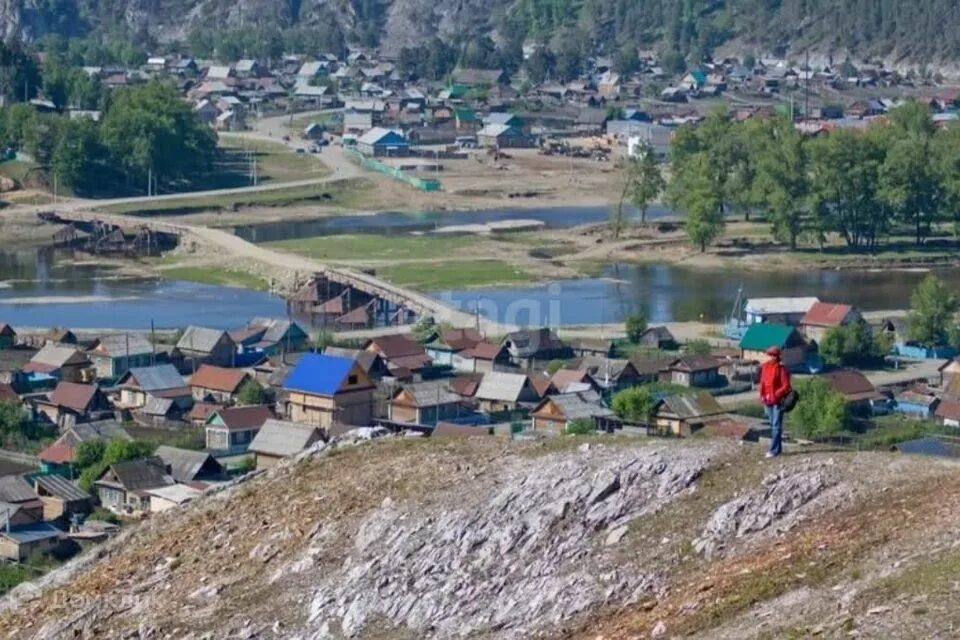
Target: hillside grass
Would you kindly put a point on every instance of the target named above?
(276, 162)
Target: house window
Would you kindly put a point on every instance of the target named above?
(351, 379)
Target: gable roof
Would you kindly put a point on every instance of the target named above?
(564, 377)
(380, 135)
(498, 385)
(184, 464)
(118, 345)
(60, 487)
(826, 314)
(320, 374)
(429, 394)
(852, 384)
(484, 351)
(695, 405)
(53, 356)
(762, 336)
(948, 409)
(276, 329)
(695, 363)
(160, 377)
(201, 339)
(764, 306)
(529, 342)
(14, 489)
(74, 396)
(282, 438)
(581, 404)
(136, 475)
(218, 378)
(243, 418)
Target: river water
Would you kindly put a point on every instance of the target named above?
(675, 293)
(44, 288)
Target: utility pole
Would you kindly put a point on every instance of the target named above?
(149, 181)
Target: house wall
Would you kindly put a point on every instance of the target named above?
(54, 508)
(220, 397)
(72, 373)
(403, 413)
(18, 552)
(441, 356)
(108, 367)
(267, 461)
(111, 498)
(133, 398)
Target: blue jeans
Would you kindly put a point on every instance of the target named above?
(775, 416)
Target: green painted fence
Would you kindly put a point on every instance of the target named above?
(424, 184)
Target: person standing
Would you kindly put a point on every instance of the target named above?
(774, 387)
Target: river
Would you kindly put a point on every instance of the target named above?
(669, 292)
(45, 288)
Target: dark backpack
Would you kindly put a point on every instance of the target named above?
(790, 400)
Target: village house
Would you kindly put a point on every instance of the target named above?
(482, 357)
(18, 542)
(59, 335)
(271, 336)
(502, 136)
(200, 345)
(425, 403)
(8, 337)
(399, 352)
(693, 371)
(529, 346)
(324, 390)
(122, 486)
(170, 497)
(114, 355)
(444, 349)
(948, 413)
(61, 498)
(734, 427)
(470, 77)
(916, 402)
(159, 381)
(379, 142)
(683, 415)
(231, 430)
(573, 380)
(649, 368)
(861, 396)
(555, 413)
(371, 362)
(611, 374)
(657, 338)
(499, 392)
(592, 347)
(823, 316)
(71, 402)
(278, 439)
(58, 458)
(217, 384)
(760, 337)
(58, 362)
(191, 467)
(789, 311)
(17, 492)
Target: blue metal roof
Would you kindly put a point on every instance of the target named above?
(318, 373)
(33, 532)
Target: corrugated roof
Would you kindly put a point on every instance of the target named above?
(34, 532)
(432, 393)
(948, 410)
(74, 396)
(15, 489)
(244, 418)
(184, 464)
(118, 345)
(60, 487)
(696, 405)
(145, 473)
(218, 378)
(826, 314)
(583, 404)
(762, 336)
(764, 306)
(319, 374)
(281, 438)
(497, 385)
(529, 342)
(157, 378)
(201, 339)
(695, 363)
(54, 355)
(397, 345)
(851, 383)
(155, 406)
(483, 351)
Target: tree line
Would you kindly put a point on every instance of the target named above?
(897, 175)
(144, 131)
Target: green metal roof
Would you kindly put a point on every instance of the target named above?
(762, 336)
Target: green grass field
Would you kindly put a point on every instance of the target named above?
(375, 247)
(454, 275)
(275, 161)
(215, 275)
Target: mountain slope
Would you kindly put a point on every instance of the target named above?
(434, 539)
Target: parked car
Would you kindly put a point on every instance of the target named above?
(301, 150)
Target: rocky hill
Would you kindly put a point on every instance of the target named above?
(600, 538)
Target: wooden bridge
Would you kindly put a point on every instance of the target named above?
(402, 298)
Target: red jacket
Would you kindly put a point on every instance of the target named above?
(774, 382)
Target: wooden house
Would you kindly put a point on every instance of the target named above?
(59, 362)
(58, 457)
(760, 337)
(861, 396)
(8, 337)
(693, 371)
(916, 402)
(451, 342)
(200, 345)
(140, 384)
(399, 352)
(499, 391)
(19, 542)
(71, 402)
(231, 430)
(271, 336)
(824, 316)
(425, 403)
(122, 486)
(554, 413)
(658, 338)
(191, 467)
(278, 439)
(529, 346)
(788, 311)
(61, 498)
(324, 390)
(612, 373)
(683, 415)
(114, 355)
(482, 357)
(217, 384)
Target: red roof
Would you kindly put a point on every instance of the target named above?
(396, 346)
(245, 418)
(73, 396)
(57, 453)
(542, 384)
(948, 409)
(465, 386)
(461, 339)
(484, 351)
(826, 314)
(564, 377)
(202, 410)
(218, 378)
